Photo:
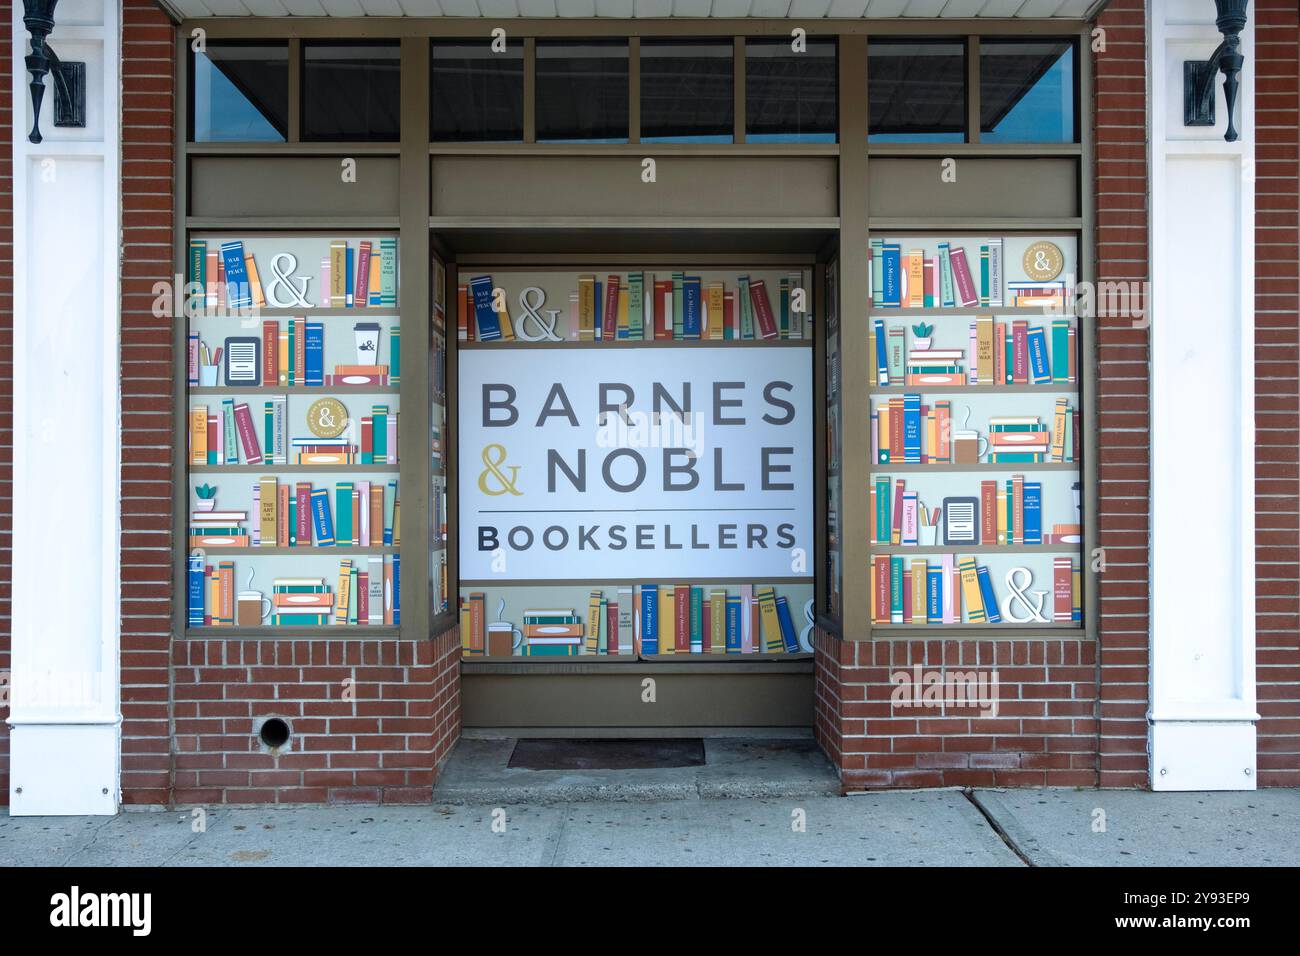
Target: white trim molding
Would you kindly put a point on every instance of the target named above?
(1202, 313)
(64, 716)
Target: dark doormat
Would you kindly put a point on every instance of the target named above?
(537, 753)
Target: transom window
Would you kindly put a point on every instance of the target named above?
(653, 89)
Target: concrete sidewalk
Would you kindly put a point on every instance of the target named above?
(741, 801)
(1048, 827)
(1139, 828)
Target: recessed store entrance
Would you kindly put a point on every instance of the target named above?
(742, 531)
(495, 770)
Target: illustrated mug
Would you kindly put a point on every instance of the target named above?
(248, 608)
(516, 635)
(968, 447)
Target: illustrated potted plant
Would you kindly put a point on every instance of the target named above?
(924, 336)
(207, 497)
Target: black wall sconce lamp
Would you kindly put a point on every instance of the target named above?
(1198, 78)
(69, 78)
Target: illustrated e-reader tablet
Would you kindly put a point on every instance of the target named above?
(961, 520)
(242, 361)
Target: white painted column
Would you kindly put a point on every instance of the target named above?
(64, 715)
(1202, 417)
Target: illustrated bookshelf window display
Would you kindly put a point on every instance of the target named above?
(637, 620)
(625, 307)
(834, 441)
(662, 305)
(439, 587)
(975, 504)
(294, 366)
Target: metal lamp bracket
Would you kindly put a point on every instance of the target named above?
(69, 78)
(1198, 77)
(69, 91)
(1198, 90)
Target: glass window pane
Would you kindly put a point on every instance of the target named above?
(477, 95)
(916, 91)
(240, 92)
(686, 91)
(582, 91)
(351, 91)
(790, 97)
(1027, 91)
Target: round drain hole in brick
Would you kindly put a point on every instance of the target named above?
(274, 733)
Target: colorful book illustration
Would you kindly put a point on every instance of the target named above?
(364, 596)
(947, 274)
(642, 620)
(957, 589)
(638, 306)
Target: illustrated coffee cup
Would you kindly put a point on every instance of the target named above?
(503, 639)
(367, 334)
(248, 608)
(968, 447)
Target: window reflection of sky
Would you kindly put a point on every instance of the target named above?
(1045, 114)
(222, 112)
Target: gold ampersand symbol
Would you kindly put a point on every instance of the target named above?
(494, 456)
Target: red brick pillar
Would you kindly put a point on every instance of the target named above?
(1277, 397)
(1123, 387)
(149, 115)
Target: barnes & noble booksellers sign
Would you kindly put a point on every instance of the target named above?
(635, 463)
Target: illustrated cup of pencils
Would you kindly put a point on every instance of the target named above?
(928, 526)
(209, 363)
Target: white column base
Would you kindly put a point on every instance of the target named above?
(63, 769)
(1202, 754)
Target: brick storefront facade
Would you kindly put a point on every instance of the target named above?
(1073, 712)
(372, 720)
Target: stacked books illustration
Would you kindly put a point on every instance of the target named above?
(1000, 353)
(210, 528)
(369, 593)
(639, 621)
(908, 430)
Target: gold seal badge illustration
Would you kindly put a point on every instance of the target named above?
(1043, 261)
(327, 418)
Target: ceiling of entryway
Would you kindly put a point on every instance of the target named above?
(649, 9)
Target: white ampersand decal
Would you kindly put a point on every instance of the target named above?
(283, 278)
(530, 300)
(1018, 579)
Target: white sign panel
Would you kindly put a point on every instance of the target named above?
(638, 463)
